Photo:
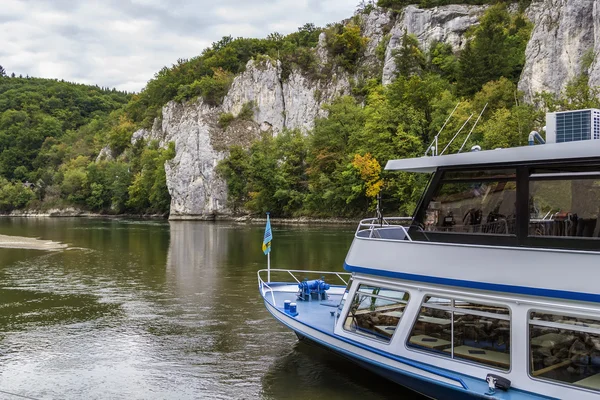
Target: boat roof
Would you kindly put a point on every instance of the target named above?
(544, 152)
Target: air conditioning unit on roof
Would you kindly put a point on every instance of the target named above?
(570, 126)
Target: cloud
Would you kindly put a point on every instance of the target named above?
(123, 43)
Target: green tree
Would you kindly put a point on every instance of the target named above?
(234, 169)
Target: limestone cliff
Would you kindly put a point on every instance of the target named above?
(200, 143)
(443, 24)
(565, 30)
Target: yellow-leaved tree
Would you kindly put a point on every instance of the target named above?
(369, 170)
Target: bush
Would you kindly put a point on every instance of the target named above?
(211, 88)
(14, 195)
(346, 45)
(225, 119)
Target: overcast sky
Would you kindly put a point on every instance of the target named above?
(122, 43)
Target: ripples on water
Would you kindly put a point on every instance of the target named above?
(163, 310)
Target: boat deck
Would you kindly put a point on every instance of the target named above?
(320, 314)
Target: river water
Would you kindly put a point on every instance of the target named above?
(163, 310)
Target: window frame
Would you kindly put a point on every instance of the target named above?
(462, 237)
(452, 309)
(580, 169)
(529, 322)
(357, 292)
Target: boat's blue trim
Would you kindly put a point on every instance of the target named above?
(439, 372)
(424, 367)
(495, 287)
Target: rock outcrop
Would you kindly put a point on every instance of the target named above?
(200, 143)
(565, 31)
(261, 85)
(195, 189)
(443, 24)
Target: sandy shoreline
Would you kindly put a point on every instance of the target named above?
(19, 242)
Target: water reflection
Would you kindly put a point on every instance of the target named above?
(165, 310)
(307, 371)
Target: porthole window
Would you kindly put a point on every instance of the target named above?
(464, 330)
(565, 349)
(375, 312)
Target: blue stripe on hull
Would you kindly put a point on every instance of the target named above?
(494, 287)
(416, 384)
(420, 384)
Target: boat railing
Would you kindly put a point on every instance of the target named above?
(393, 228)
(298, 276)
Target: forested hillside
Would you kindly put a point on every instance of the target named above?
(336, 170)
(50, 135)
(64, 145)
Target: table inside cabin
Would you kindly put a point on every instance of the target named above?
(429, 342)
(484, 356)
(386, 329)
(592, 382)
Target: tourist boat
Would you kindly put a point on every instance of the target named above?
(490, 290)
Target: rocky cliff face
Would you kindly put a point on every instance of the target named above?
(200, 143)
(565, 30)
(443, 24)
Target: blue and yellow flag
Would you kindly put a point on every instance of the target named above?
(266, 247)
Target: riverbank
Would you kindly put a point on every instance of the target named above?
(247, 219)
(73, 212)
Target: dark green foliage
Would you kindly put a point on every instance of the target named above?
(346, 44)
(38, 111)
(211, 88)
(496, 49)
(14, 195)
(409, 58)
(225, 120)
(443, 61)
(234, 169)
(148, 191)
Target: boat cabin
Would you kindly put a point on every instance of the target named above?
(501, 258)
(494, 278)
(538, 196)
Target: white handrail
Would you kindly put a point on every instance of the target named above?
(373, 224)
(264, 287)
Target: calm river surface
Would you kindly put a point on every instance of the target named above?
(165, 310)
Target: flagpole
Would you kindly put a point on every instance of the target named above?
(268, 261)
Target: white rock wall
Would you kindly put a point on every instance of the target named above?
(445, 24)
(194, 187)
(261, 84)
(564, 30)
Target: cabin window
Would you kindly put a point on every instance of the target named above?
(463, 330)
(375, 312)
(565, 349)
(344, 298)
(480, 202)
(564, 204)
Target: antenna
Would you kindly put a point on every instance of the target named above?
(434, 150)
(476, 122)
(455, 135)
